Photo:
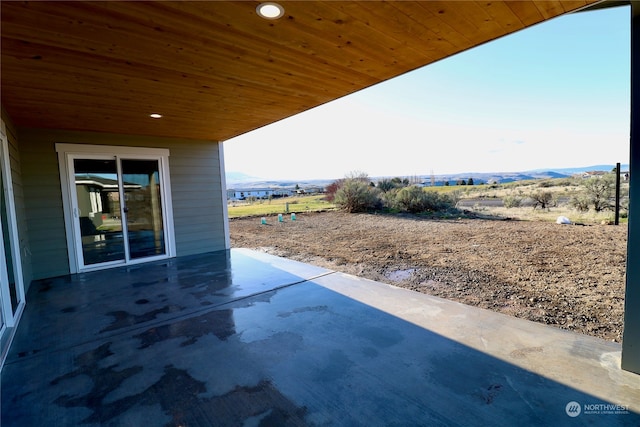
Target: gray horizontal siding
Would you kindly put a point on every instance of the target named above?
(189, 247)
(188, 237)
(194, 200)
(194, 180)
(197, 220)
(197, 198)
(43, 205)
(195, 188)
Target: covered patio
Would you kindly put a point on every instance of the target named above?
(238, 337)
(121, 301)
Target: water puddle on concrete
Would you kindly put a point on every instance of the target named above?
(400, 275)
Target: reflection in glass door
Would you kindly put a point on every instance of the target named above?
(143, 210)
(98, 210)
(118, 209)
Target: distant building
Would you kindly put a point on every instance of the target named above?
(258, 193)
(314, 190)
(592, 174)
(624, 175)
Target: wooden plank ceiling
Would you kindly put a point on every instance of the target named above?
(215, 69)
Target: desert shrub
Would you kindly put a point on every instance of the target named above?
(358, 176)
(410, 199)
(579, 202)
(512, 201)
(388, 198)
(564, 182)
(356, 195)
(598, 193)
(624, 199)
(544, 199)
(440, 202)
(330, 191)
(452, 198)
(600, 190)
(386, 185)
(556, 182)
(414, 199)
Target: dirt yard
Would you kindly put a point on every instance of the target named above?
(569, 276)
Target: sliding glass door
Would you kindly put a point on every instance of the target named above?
(11, 250)
(143, 211)
(118, 207)
(12, 298)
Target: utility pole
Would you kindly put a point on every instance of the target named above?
(617, 217)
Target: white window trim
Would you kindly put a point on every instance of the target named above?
(66, 151)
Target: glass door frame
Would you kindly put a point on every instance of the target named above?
(66, 154)
(10, 316)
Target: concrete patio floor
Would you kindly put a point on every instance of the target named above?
(241, 338)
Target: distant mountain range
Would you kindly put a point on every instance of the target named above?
(241, 180)
(573, 171)
(483, 177)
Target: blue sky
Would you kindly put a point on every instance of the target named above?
(555, 95)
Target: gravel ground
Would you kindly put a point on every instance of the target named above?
(568, 276)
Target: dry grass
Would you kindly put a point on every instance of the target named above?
(548, 215)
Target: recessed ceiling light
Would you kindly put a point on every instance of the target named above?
(155, 116)
(270, 10)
